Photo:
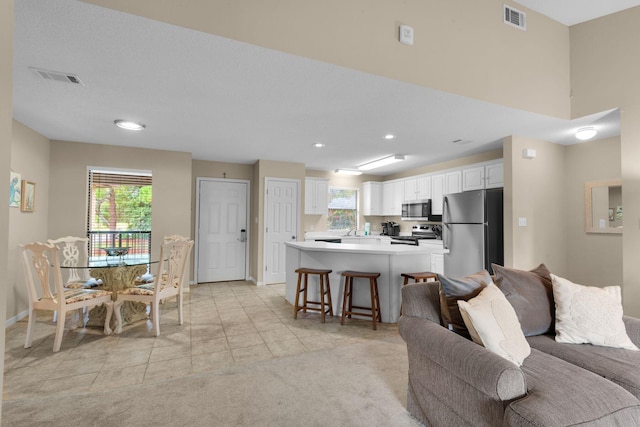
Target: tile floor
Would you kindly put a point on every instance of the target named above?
(225, 324)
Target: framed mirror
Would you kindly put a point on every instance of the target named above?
(603, 206)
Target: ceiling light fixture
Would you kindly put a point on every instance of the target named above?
(318, 145)
(381, 162)
(348, 172)
(389, 136)
(584, 134)
(129, 125)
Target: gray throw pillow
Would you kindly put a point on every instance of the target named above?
(531, 295)
(462, 288)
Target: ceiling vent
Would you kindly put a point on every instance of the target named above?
(57, 76)
(515, 18)
(461, 141)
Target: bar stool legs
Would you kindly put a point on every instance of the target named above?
(326, 307)
(347, 300)
(425, 276)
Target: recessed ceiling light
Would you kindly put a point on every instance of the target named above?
(129, 125)
(389, 136)
(584, 134)
(318, 145)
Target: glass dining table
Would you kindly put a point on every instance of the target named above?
(114, 277)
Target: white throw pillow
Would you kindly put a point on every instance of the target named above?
(493, 323)
(589, 315)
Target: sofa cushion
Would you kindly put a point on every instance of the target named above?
(589, 314)
(615, 364)
(562, 394)
(454, 289)
(531, 295)
(493, 323)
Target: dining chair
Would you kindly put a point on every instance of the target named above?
(75, 253)
(42, 275)
(174, 257)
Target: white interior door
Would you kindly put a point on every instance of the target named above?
(281, 219)
(222, 230)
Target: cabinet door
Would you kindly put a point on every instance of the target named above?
(410, 189)
(387, 198)
(437, 193)
(398, 194)
(316, 196)
(423, 187)
(371, 198)
(453, 182)
(494, 175)
(473, 178)
(437, 263)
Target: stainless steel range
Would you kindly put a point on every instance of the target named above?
(418, 232)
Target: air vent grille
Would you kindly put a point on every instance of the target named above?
(514, 17)
(57, 76)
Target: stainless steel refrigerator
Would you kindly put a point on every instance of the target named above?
(472, 231)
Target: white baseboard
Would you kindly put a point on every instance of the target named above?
(16, 319)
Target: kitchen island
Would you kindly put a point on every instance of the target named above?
(389, 260)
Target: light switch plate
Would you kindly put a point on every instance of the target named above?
(522, 222)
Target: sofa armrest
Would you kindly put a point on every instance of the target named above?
(632, 325)
(493, 375)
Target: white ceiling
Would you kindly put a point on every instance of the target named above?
(571, 12)
(234, 102)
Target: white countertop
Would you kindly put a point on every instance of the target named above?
(359, 248)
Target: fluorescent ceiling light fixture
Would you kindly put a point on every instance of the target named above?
(389, 136)
(348, 172)
(381, 162)
(129, 125)
(584, 134)
(318, 145)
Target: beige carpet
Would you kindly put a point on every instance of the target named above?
(362, 384)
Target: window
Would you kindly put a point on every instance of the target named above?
(119, 213)
(343, 209)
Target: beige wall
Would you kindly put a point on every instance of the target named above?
(29, 157)
(171, 211)
(462, 47)
(6, 114)
(592, 259)
(604, 70)
(534, 189)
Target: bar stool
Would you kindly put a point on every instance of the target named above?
(347, 303)
(323, 278)
(424, 276)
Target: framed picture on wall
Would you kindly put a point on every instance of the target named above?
(28, 203)
(14, 189)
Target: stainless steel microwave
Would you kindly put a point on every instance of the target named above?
(417, 210)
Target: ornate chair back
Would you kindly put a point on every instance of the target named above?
(74, 252)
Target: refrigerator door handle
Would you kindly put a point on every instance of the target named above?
(445, 236)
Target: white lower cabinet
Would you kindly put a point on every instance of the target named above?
(437, 263)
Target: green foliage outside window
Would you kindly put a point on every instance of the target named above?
(122, 207)
(343, 209)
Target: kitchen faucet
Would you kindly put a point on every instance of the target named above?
(354, 231)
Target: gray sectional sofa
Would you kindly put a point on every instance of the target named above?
(456, 382)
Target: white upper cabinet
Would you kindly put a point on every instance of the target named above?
(453, 182)
(417, 188)
(473, 178)
(437, 193)
(316, 196)
(484, 175)
(392, 197)
(372, 198)
(494, 175)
